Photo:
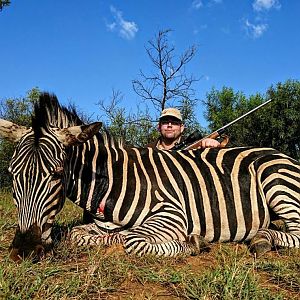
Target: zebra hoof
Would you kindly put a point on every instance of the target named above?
(198, 244)
(260, 246)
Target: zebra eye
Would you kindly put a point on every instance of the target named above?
(57, 173)
(10, 169)
(15, 201)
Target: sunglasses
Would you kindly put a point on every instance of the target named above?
(172, 122)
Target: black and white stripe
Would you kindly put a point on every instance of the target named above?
(159, 197)
(149, 200)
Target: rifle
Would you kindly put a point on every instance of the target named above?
(194, 140)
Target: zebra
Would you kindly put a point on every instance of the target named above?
(157, 202)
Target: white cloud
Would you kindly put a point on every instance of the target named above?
(111, 26)
(255, 31)
(214, 2)
(197, 4)
(260, 5)
(126, 29)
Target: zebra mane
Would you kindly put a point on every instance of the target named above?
(111, 141)
(49, 113)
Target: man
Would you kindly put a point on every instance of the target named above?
(171, 128)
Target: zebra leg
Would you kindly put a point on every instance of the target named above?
(160, 238)
(140, 245)
(282, 192)
(87, 217)
(261, 243)
(91, 235)
(198, 243)
(266, 239)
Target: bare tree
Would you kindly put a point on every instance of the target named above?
(112, 109)
(135, 128)
(168, 86)
(169, 82)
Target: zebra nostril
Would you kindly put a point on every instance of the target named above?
(15, 256)
(35, 255)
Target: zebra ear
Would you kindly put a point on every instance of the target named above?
(12, 131)
(76, 135)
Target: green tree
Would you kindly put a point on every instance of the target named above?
(224, 106)
(276, 125)
(191, 123)
(284, 117)
(4, 3)
(18, 111)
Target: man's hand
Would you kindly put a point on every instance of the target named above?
(209, 143)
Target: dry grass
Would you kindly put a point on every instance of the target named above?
(226, 272)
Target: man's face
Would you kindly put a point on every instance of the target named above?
(170, 128)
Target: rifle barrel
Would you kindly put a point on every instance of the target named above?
(221, 130)
(244, 115)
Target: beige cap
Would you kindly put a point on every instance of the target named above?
(171, 112)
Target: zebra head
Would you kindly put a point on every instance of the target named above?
(39, 171)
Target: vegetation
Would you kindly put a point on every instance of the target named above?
(136, 129)
(228, 271)
(275, 125)
(4, 3)
(18, 111)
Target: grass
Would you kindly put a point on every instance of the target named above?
(228, 271)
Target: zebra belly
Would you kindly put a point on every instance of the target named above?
(227, 219)
(223, 234)
(241, 235)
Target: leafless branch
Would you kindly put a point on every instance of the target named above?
(170, 81)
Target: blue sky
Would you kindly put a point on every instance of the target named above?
(81, 50)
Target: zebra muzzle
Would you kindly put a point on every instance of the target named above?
(27, 245)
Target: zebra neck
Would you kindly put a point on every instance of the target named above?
(87, 181)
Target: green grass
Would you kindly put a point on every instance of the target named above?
(228, 271)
